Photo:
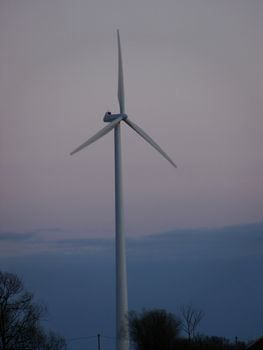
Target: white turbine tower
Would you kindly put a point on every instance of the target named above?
(114, 121)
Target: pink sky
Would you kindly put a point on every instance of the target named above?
(194, 82)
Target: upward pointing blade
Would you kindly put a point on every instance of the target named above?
(120, 77)
(149, 140)
(98, 135)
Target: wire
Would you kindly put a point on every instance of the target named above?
(80, 338)
(107, 337)
(91, 337)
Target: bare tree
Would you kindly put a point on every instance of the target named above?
(20, 317)
(191, 318)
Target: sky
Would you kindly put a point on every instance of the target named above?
(193, 81)
(216, 270)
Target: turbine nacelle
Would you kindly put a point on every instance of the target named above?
(109, 117)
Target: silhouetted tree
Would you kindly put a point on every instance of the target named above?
(191, 318)
(203, 342)
(153, 329)
(217, 343)
(20, 318)
(51, 341)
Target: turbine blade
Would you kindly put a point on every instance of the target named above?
(149, 140)
(98, 135)
(120, 77)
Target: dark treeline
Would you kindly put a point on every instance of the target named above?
(161, 330)
(157, 329)
(202, 342)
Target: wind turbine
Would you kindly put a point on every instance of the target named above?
(114, 121)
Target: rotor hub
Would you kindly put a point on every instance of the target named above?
(109, 117)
